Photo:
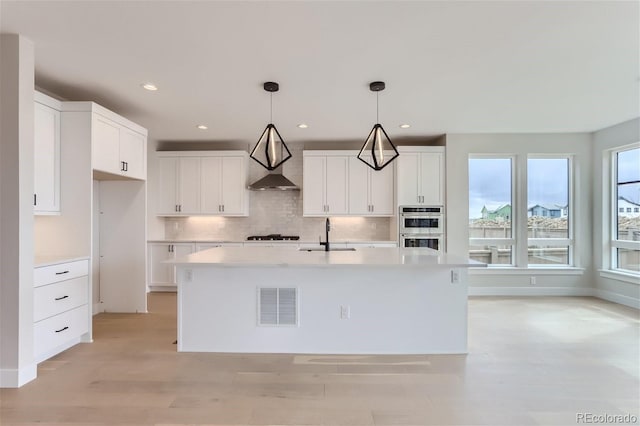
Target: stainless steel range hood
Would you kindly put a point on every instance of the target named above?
(273, 181)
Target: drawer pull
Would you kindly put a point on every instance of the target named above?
(60, 298)
(62, 329)
(62, 273)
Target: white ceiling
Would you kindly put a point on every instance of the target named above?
(450, 67)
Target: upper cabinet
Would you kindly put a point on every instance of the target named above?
(203, 183)
(421, 176)
(118, 146)
(370, 191)
(338, 183)
(325, 183)
(46, 196)
(118, 149)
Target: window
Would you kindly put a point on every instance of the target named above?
(490, 200)
(548, 236)
(625, 225)
(509, 231)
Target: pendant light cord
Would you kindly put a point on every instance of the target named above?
(271, 107)
(377, 107)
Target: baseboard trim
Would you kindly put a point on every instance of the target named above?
(617, 298)
(14, 378)
(530, 291)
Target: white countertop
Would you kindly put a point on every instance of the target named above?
(289, 256)
(210, 241)
(55, 259)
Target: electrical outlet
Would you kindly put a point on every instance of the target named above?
(532, 280)
(455, 276)
(345, 312)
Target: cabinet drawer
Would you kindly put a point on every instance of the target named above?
(57, 330)
(52, 299)
(61, 272)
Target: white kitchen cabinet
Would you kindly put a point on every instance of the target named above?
(325, 187)
(370, 191)
(60, 307)
(46, 197)
(421, 176)
(162, 276)
(365, 244)
(203, 183)
(117, 149)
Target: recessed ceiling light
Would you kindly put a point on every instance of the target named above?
(202, 127)
(302, 126)
(405, 126)
(150, 86)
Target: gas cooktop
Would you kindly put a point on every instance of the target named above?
(274, 237)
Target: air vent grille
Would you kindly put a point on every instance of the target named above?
(277, 306)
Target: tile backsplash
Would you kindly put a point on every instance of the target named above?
(277, 212)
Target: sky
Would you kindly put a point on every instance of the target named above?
(490, 181)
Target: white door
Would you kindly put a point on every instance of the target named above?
(210, 175)
(105, 147)
(381, 191)
(408, 163)
(234, 185)
(313, 200)
(167, 185)
(358, 187)
(189, 185)
(160, 274)
(132, 152)
(431, 170)
(337, 190)
(46, 160)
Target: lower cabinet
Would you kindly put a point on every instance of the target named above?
(162, 276)
(60, 307)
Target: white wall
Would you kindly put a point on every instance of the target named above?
(459, 147)
(616, 290)
(17, 364)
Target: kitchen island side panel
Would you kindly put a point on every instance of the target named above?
(392, 310)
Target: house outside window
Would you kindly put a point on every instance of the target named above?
(625, 225)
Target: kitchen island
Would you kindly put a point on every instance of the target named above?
(285, 300)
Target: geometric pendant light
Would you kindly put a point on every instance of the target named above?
(270, 150)
(378, 150)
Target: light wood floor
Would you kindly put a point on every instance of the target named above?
(531, 361)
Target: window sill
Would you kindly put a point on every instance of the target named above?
(562, 270)
(627, 277)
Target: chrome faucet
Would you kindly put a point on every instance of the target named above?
(326, 238)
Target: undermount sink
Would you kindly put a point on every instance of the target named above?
(330, 249)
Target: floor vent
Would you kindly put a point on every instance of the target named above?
(277, 306)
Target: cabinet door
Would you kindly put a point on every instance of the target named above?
(359, 202)
(337, 191)
(46, 160)
(381, 191)
(105, 148)
(132, 152)
(210, 182)
(408, 163)
(431, 182)
(167, 186)
(189, 185)
(180, 250)
(160, 273)
(313, 199)
(234, 186)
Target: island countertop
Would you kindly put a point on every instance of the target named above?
(290, 256)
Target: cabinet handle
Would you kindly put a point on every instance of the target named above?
(62, 273)
(60, 298)
(62, 329)
(176, 207)
(223, 207)
(122, 166)
(180, 207)
(126, 166)
(35, 199)
(372, 208)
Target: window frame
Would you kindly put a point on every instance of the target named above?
(613, 242)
